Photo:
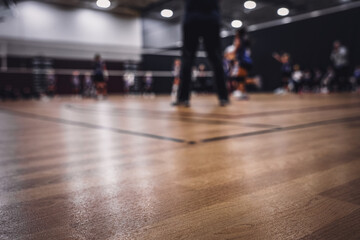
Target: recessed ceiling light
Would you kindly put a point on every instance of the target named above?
(167, 13)
(236, 24)
(283, 11)
(103, 3)
(250, 4)
(286, 20)
(224, 33)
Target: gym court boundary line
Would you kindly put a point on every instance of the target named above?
(281, 129)
(88, 125)
(206, 140)
(224, 116)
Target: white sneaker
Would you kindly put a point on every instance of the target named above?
(243, 96)
(237, 94)
(280, 91)
(324, 90)
(45, 98)
(240, 95)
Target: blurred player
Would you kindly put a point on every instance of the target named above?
(75, 82)
(307, 80)
(148, 82)
(176, 82)
(356, 79)
(317, 80)
(244, 62)
(89, 89)
(327, 79)
(297, 78)
(286, 71)
(100, 77)
(51, 83)
(339, 58)
(129, 80)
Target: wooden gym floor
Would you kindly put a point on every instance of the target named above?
(274, 167)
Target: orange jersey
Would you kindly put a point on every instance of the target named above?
(176, 81)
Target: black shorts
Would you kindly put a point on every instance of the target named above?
(285, 77)
(240, 79)
(99, 78)
(285, 74)
(237, 79)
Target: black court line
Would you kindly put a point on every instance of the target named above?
(182, 119)
(88, 125)
(282, 129)
(207, 140)
(226, 116)
(300, 110)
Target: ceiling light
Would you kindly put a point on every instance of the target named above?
(236, 24)
(250, 4)
(224, 33)
(103, 3)
(167, 13)
(283, 11)
(286, 20)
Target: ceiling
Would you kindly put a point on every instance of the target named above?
(265, 11)
(231, 9)
(123, 7)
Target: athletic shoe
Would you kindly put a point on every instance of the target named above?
(237, 94)
(243, 96)
(181, 104)
(280, 91)
(324, 90)
(224, 102)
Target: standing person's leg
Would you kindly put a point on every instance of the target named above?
(203, 84)
(105, 89)
(97, 88)
(190, 45)
(213, 48)
(335, 84)
(100, 92)
(344, 79)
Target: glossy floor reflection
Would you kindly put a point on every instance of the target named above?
(274, 167)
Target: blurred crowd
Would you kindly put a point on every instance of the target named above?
(238, 64)
(89, 84)
(338, 77)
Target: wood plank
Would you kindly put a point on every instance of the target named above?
(349, 192)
